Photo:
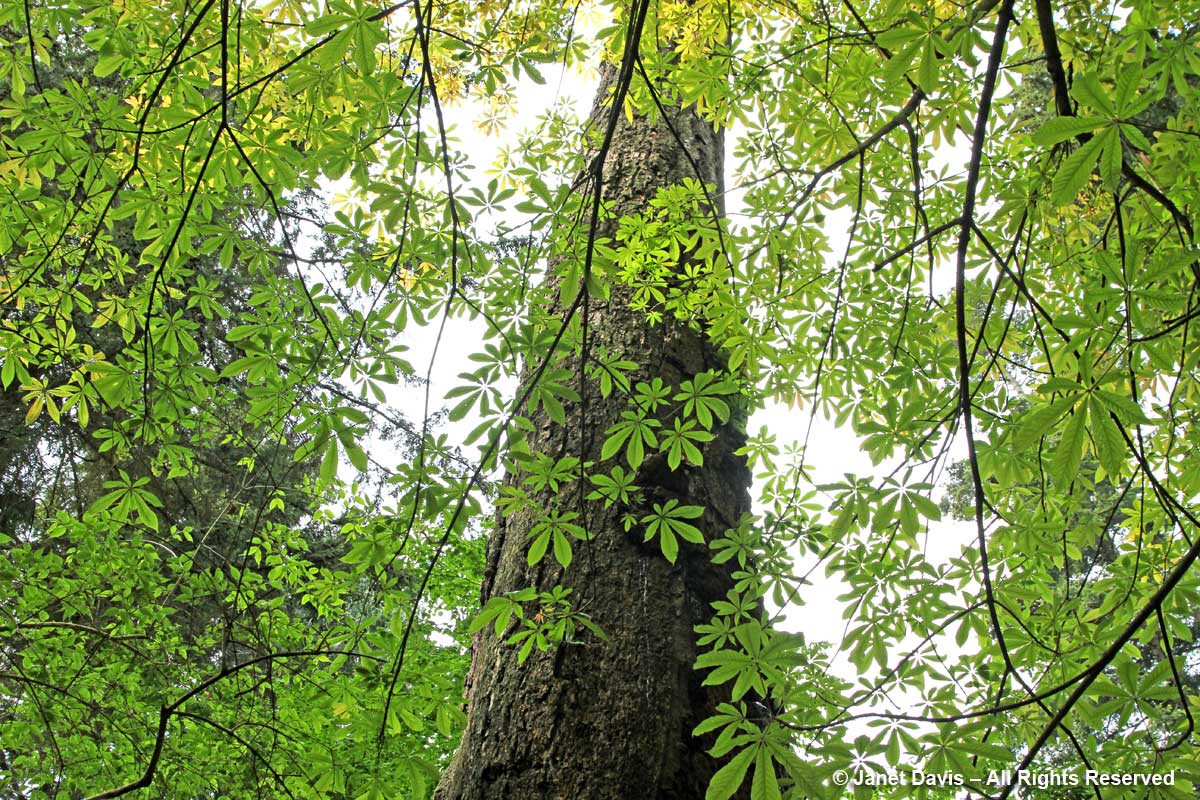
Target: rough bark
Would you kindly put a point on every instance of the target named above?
(613, 719)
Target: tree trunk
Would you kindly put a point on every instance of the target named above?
(613, 719)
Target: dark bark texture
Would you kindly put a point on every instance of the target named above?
(613, 720)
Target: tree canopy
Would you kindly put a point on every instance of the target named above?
(239, 560)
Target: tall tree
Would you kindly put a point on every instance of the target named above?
(612, 716)
(906, 253)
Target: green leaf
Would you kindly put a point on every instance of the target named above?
(562, 549)
(1037, 422)
(1126, 409)
(927, 507)
(1060, 129)
(108, 63)
(1130, 84)
(1109, 444)
(324, 24)
(444, 721)
(495, 608)
(596, 630)
(1069, 453)
(329, 462)
(928, 71)
(1110, 157)
(726, 781)
(414, 723)
(635, 453)
(533, 73)
(669, 545)
(1086, 89)
(1075, 171)
(765, 785)
(8, 371)
(612, 445)
(356, 455)
(899, 64)
(537, 550)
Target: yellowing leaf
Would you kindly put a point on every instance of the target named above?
(35, 411)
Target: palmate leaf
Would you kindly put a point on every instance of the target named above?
(553, 529)
(498, 611)
(616, 487)
(701, 398)
(680, 443)
(636, 432)
(667, 522)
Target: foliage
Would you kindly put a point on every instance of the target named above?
(232, 567)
